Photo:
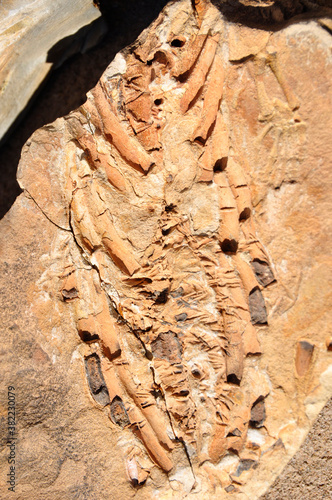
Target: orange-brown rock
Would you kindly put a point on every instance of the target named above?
(181, 307)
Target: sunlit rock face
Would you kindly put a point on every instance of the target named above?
(170, 246)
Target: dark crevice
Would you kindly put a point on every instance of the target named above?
(160, 297)
(220, 164)
(170, 207)
(87, 336)
(234, 433)
(245, 214)
(42, 211)
(258, 415)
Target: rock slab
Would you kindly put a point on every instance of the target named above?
(168, 335)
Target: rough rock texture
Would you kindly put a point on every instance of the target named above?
(30, 32)
(148, 244)
(309, 474)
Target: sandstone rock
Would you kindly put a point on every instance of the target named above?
(155, 221)
(30, 32)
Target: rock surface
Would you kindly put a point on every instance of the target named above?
(268, 130)
(30, 33)
(308, 474)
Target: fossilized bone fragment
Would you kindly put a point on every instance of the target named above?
(127, 146)
(199, 73)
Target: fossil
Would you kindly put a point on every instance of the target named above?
(162, 267)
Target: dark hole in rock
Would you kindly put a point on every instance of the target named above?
(183, 392)
(258, 414)
(257, 307)
(233, 379)
(245, 214)
(170, 207)
(157, 393)
(158, 102)
(136, 482)
(196, 373)
(160, 297)
(148, 355)
(87, 336)
(115, 353)
(220, 165)
(263, 272)
(229, 246)
(200, 140)
(178, 42)
(96, 380)
(118, 412)
(160, 57)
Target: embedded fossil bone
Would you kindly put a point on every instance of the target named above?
(216, 150)
(126, 145)
(199, 73)
(96, 158)
(212, 98)
(187, 59)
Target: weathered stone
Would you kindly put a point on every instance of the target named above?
(136, 263)
(30, 32)
(258, 414)
(257, 307)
